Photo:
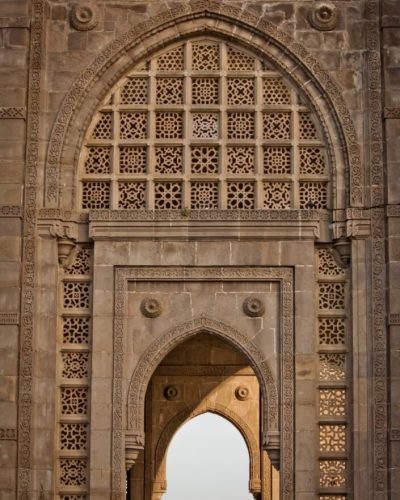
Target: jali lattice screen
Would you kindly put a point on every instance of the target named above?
(204, 125)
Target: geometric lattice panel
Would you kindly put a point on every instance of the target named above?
(204, 117)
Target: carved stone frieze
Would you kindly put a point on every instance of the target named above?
(10, 211)
(15, 22)
(8, 434)
(393, 211)
(9, 318)
(7, 112)
(393, 113)
(25, 409)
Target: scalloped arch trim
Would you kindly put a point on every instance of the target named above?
(172, 338)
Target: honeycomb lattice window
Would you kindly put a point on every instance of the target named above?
(332, 473)
(81, 262)
(74, 400)
(332, 331)
(73, 437)
(75, 330)
(332, 367)
(204, 116)
(73, 471)
(332, 438)
(327, 266)
(75, 365)
(331, 295)
(76, 294)
(332, 402)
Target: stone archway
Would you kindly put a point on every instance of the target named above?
(162, 346)
(128, 407)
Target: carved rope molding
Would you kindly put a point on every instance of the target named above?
(210, 10)
(25, 409)
(7, 112)
(156, 351)
(378, 302)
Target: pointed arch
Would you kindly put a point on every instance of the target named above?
(157, 351)
(183, 417)
(207, 17)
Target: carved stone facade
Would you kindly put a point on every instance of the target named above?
(199, 198)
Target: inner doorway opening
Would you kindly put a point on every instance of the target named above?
(208, 459)
(203, 375)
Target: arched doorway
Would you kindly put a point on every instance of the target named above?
(208, 458)
(204, 373)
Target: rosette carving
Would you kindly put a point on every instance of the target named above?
(323, 16)
(84, 17)
(253, 307)
(171, 392)
(242, 393)
(151, 308)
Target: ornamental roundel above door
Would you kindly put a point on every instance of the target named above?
(204, 125)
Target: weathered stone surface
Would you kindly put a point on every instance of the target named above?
(255, 220)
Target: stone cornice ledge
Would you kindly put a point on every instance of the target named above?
(209, 224)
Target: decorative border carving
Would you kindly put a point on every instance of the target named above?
(211, 10)
(209, 215)
(7, 112)
(28, 254)
(8, 434)
(378, 302)
(187, 414)
(160, 347)
(10, 211)
(165, 343)
(379, 353)
(15, 22)
(9, 318)
(392, 113)
(393, 210)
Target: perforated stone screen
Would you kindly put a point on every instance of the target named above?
(204, 125)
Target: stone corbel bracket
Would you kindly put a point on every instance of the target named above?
(272, 445)
(134, 444)
(352, 223)
(66, 235)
